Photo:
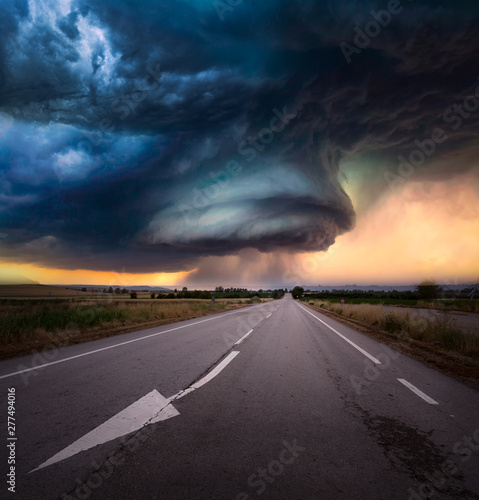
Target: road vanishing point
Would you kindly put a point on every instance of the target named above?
(275, 401)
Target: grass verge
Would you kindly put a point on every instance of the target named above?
(450, 305)
(433, 340)
(32, 325)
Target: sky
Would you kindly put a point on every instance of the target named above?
(207, 143)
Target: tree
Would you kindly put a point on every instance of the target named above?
(277, 294)
(83, 289)
(110, 290)
(133, 295)
(297, 292)
(428, 290)
(153, 295)
(117, 291)
(185, 289)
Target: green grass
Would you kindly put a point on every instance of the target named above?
(31, 319)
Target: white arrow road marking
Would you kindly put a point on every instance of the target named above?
(149, 409)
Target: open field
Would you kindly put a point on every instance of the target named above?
(54, 292)
(435, 330)
(34, 291)
(462, 305)
(98, 293)
(370, 300)
(34, 324)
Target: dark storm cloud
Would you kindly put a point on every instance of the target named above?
(146, 136)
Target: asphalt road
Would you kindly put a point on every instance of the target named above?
(301, 408)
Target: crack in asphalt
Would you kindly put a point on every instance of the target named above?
(405, 447)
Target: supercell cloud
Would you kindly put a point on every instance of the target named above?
(145, 135)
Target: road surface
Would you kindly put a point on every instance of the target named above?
(272, 402)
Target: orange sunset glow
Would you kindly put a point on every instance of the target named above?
(420, 231)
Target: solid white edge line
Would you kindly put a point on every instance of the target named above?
(207, 378)
(418, 392)
(242, 338)
(122, 343)
(269, 315)
(372, 358)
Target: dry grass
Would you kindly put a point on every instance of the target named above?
(403, 324)
(39, 291)
(41, 322)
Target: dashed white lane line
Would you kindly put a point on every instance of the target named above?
(209, 376)
(150, 409)
(38, 367)
(246, 334)
(418, 392)
(372, 358)
(242, 338)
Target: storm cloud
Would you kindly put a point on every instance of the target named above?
(144, 136)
